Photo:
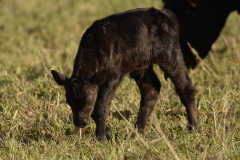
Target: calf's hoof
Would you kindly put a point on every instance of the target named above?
(193, 127)
(140, 129)
(104, 136)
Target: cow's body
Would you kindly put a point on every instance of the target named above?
(201, 22)
(129, 42)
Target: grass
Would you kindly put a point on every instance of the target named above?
(35, 121)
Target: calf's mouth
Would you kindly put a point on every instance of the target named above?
(81, 122)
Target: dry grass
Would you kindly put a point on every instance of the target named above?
(35, 121)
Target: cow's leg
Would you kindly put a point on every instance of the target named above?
(149, 86)
(176, 71)
(101, 109)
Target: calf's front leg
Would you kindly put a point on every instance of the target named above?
(101, 109)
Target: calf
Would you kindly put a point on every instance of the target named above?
(128, 42)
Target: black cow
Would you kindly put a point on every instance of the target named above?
(128, 42)
(201, 22)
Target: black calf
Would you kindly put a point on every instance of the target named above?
(128, 42)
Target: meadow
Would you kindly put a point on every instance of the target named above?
(36, 122)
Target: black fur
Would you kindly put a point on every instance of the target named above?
(129, 42)
(201, 22)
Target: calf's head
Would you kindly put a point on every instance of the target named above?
(81, 96)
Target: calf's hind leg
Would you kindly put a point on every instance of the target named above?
(149, 86)
(185, 91)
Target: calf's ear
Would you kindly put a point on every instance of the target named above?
(59, 78)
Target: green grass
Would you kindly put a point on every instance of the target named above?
(35, 121)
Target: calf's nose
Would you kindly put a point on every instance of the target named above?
(83, 123)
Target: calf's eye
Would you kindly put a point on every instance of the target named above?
(88, 102)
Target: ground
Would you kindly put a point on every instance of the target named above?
(36, 123)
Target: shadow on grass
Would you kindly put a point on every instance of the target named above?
(122, 114)
(4, 82)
